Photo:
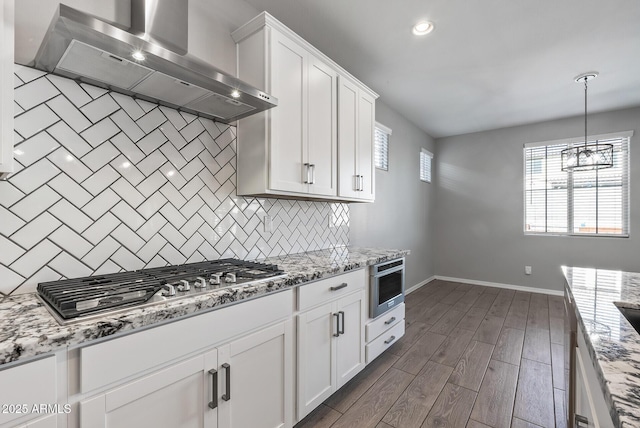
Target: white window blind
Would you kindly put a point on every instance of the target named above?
(381, 152)
(576, 203)
(425, 165)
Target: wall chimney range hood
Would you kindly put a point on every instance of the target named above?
(149, 60)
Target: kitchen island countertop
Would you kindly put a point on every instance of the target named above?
(27, 329)
(613, 344)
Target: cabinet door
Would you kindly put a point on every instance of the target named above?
(257, 383)
(584, 401)
(50, 421)
(6, 87)
(316, 357)
(289, 120)
(323, 129)
(366, 123)
(350, 345)
(347, 138)
(177, 396)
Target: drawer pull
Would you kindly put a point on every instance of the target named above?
(214, 383)
(339, 287)
(390, 321)
(227, 368)
(388, 341)
(581, 421)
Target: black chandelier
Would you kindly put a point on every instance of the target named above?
(587, 156)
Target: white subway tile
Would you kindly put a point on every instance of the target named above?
(127, 192)
(101, 228)
(35, 120)
(69, 266)
(151, 163)
(34, 259)
(71, 190)
(129, 105)
(10, 251)
(128, 215)
(67, 112)
(10, 280)
(127, 125)
(172, 235)
(192, 130)
(69, 139)
(35, 203)
(93, 91)
(151, 226)
(151, 184)
(127, 260)
(151, 141)
(108, 267)
(127, 147)
(100, 156)
(101, 252)
(69, 164)
(173, 135)
(127, 170)
(100, 132)
(171, 255)
(174, 117)
(36, 230)
(151, 120)
(65, 212)
(27, 74)
(70, 89)
(73, 243)
(100, 180)
(128, 238)
(152, 205)
(34, 93)
(102, 203)
(35, 148)
(151, 248)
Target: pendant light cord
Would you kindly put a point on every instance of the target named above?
(585, 112)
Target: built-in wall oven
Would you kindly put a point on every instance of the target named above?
(387, 286)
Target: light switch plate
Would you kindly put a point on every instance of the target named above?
(268, 224)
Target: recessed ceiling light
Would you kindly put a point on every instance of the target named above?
(138, 56)
(422, 28)
(235, 94)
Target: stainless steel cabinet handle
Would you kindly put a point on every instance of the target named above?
(581, 421)
(339, 287)
(390, 321)
(227, 369)
(389, 340)
(312, 167)
(341, 330)
(337, 333)
(362, 183)
(308, 180)
(214, 383)
(356, 182)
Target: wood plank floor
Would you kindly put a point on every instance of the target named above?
(472, 356)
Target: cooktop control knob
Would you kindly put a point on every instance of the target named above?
(184, 285)
(201, 282)
(230, 277)
(215, 279)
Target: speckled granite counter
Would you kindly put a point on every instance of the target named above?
(27, 329)
(613, 343)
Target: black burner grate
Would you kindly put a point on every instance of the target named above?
(72, 298)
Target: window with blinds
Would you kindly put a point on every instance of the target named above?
(425, 165)
(381, 149)
(592, 203)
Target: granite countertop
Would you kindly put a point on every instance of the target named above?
(27, 329)
(614, 345)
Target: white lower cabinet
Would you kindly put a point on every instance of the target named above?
(245, 383)
(178, 396)
(31, 386)
(330, 349)
(591, 408)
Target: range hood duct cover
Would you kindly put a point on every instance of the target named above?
(83, 47)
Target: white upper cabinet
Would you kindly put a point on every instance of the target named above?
(356, 122)
(292, 149)
(6, 88)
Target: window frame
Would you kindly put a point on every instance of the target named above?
(387, 131)
(626, 203)
(428, 154)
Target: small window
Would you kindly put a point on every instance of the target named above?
(425, 165)
(381, 153)
(584, 203)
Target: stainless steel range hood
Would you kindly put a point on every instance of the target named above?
(148, 61)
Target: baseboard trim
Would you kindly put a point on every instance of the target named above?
(500, 285)
(418, 285)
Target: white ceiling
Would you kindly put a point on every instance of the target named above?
(488, 64)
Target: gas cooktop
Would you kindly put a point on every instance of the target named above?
(73, 300)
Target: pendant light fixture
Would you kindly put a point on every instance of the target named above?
(587, 156)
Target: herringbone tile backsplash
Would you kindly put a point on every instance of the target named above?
(106, 183)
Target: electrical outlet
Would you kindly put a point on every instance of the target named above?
(527, 270)
(268, 224)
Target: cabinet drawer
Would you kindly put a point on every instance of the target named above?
(124, 357)
(325, 290)
(31, 384)
(383, 342)
(384, 322)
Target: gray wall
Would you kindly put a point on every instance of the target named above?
(402, 215)
(479, 207)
